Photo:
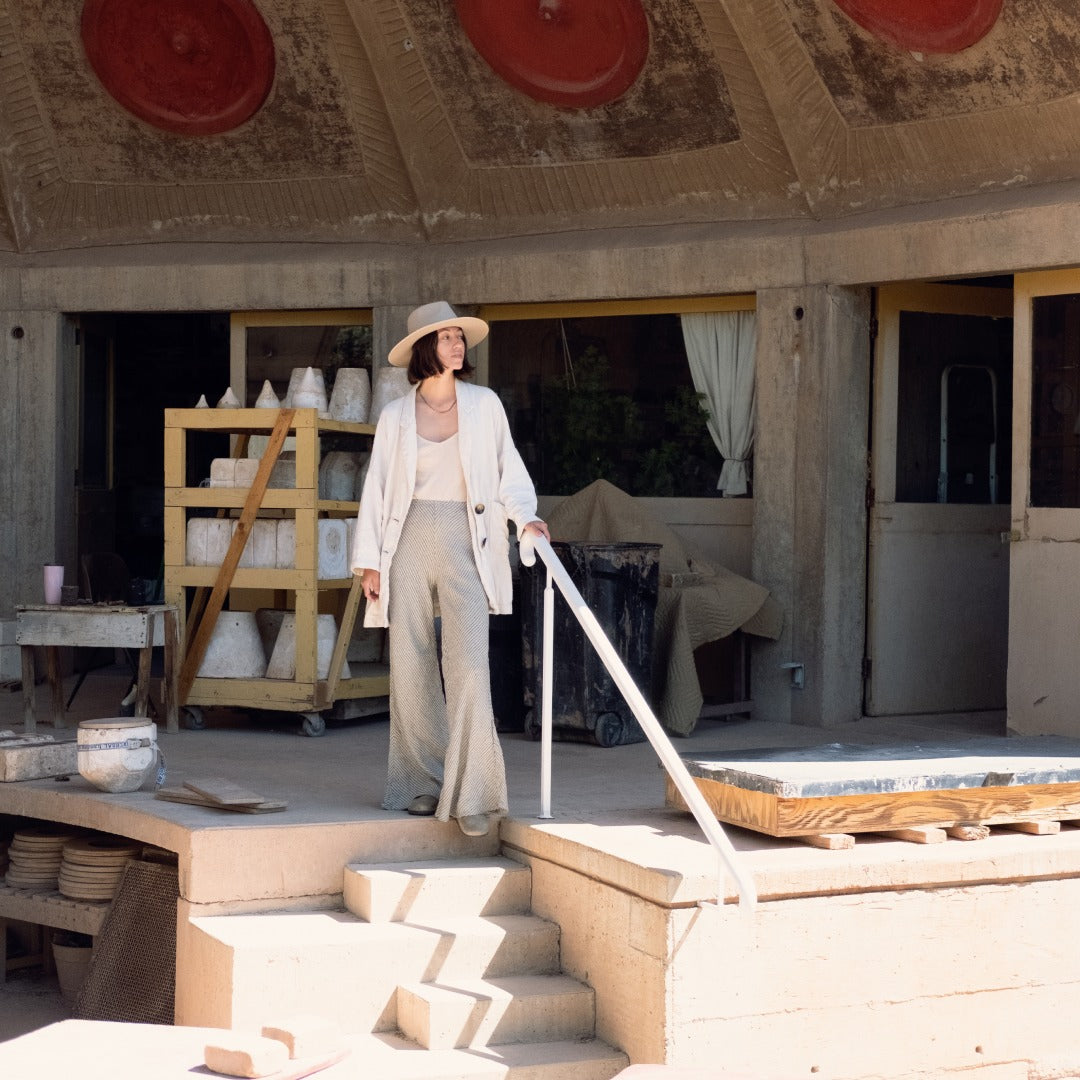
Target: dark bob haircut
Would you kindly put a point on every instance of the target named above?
(425, 361)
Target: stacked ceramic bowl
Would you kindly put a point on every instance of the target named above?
(92, 866)
(34, 858)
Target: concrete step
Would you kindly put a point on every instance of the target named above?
(393, 1057)
(274, 964)
(417, 891)
(490, 1012)
(487, 946)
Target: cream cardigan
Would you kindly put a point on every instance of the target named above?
(496, 481)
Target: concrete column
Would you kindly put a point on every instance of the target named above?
(388, 328)
(38, 416)
(810, 468)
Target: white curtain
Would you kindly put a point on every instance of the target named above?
(720, 347)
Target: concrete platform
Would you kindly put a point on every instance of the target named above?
(929, 952)
(333, 787)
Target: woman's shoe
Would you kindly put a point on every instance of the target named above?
(474, 824)
(424, 806)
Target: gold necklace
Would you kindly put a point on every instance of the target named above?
(432, 407)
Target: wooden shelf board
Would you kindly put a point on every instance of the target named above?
(299, 498)
(253, 421)
(280, 693)
(52, 909)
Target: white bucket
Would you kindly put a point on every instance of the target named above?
(117, 754)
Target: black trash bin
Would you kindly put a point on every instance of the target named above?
(619, 582)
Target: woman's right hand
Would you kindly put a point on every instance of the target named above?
(369, 581)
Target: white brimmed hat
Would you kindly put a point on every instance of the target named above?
(428, 318)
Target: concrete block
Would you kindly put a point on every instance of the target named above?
(261, 548)
(333, 549)
(235, 650)
(34, 757)
(286, 544)
(350, 399)
(223, 472)
(482, 1012)
(240, 1054)
(392, 892)
(218, 535)
(337, 475)
(282, 662)
(196, 541)
(282, 475)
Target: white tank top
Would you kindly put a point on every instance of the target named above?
(438, 470)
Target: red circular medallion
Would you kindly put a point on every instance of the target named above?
(197, 67)
(573, 53)
(934, 26)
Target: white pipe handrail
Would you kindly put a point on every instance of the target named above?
(529, 547)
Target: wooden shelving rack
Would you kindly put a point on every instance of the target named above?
(298, 589)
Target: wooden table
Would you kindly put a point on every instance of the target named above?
(83, 626)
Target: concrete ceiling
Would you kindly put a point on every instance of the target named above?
(384, 124)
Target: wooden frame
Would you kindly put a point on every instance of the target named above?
(306, 692)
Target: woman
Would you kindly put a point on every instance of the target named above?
(444, 476)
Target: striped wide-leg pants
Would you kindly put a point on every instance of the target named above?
(441, 743)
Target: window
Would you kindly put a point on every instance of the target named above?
(954, 408)
(592, 395)
(1055, 401)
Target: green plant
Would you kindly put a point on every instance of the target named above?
(590, 432)
(684, 461)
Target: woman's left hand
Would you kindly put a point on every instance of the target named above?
(537, 528)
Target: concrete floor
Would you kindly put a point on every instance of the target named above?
(339, 777)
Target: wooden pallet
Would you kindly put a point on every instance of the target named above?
(918, 792)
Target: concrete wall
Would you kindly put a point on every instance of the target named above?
(809, 525)
(920, 978)
(38, 419)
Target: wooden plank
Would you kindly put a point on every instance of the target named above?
(52, 909)
(921, 834)
(169, 703)
(872, 813)
(28, 676)
(968, 831)
(345, 632)
(779, 817)
(223, 792)
(56, 685)
(1034, 828)
(201, 639)
(87, 627)
(751, 809)
(829, 841)
(191, 798)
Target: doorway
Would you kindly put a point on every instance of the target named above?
(131, 368)
(938, 563)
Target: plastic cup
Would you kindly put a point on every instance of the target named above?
(54, 582)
